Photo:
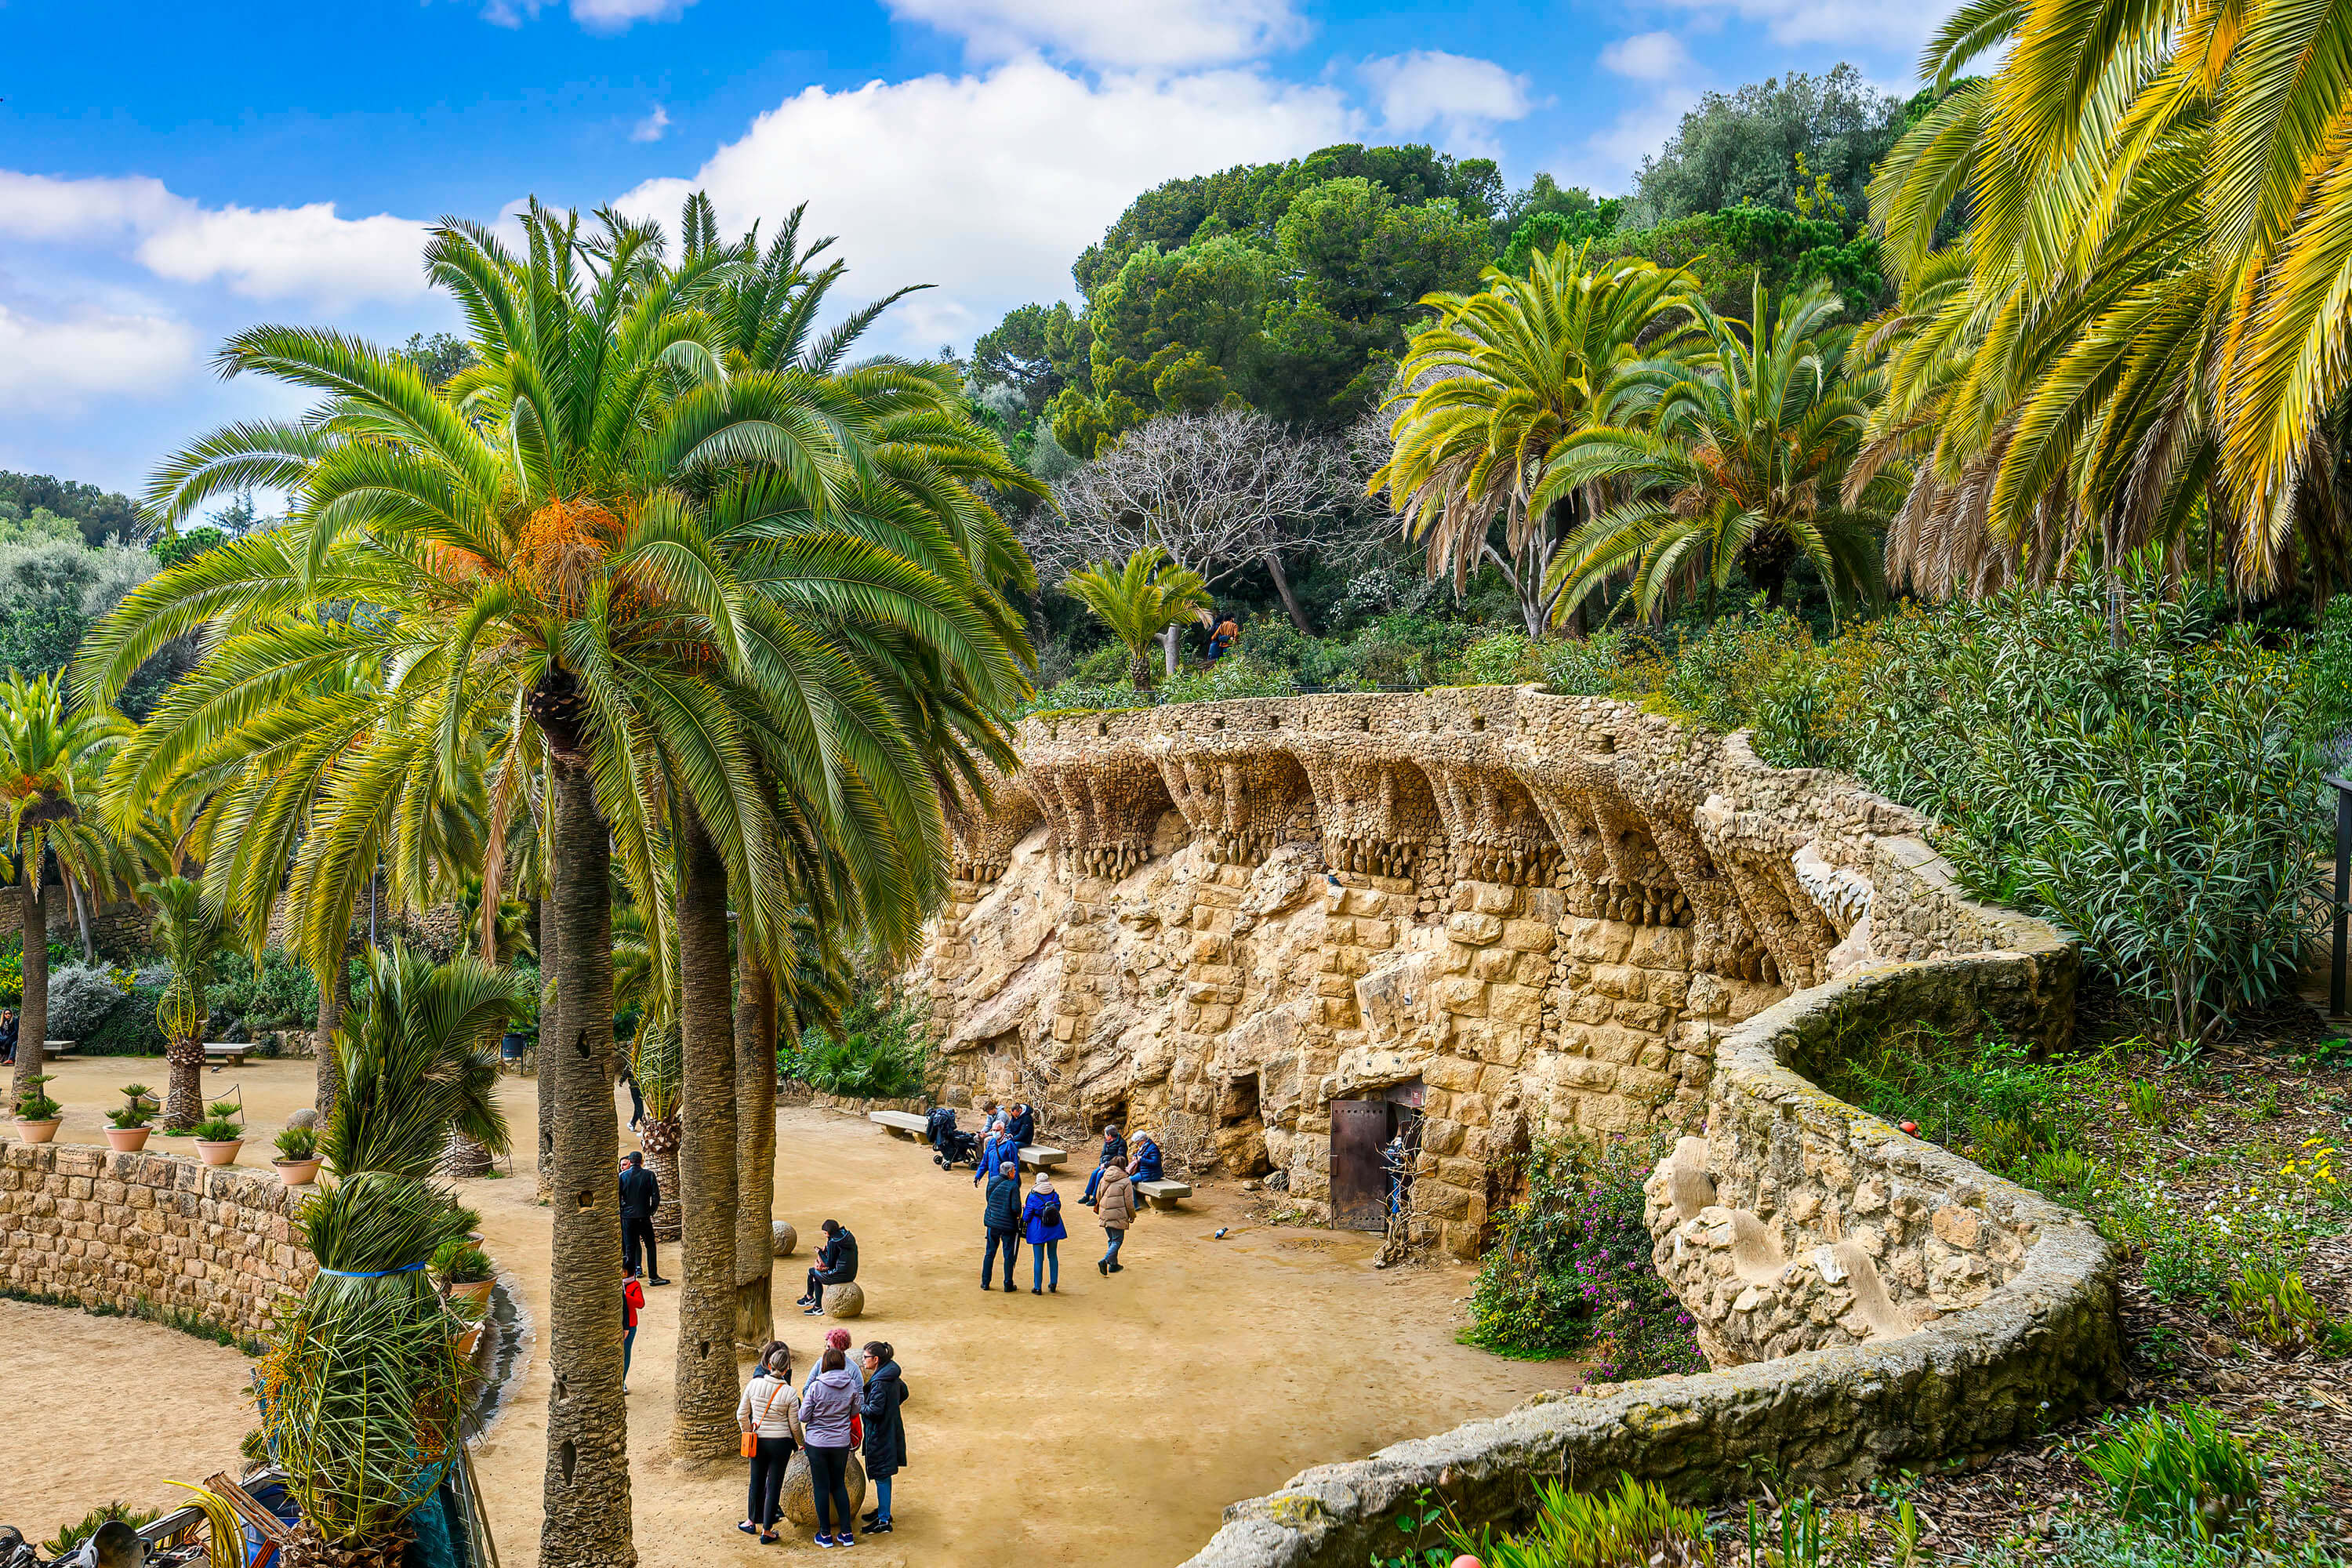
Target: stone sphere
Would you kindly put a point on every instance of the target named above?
(306, 1117)
(845, 1301)
(787, 1238)
(800, 1498)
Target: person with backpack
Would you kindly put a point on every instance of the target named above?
(1041, 1217)
(829, 1411)
(1115, 1206)
(1003, 1218)
(885, 1429)
(632, 1302)
(769, 1415)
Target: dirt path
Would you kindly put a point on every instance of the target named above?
(1111, 1422)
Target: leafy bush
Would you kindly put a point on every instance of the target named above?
(33, 1104)
(460, 1262)
(69, 1537)
(1711, 678)
(1637, 1524)
(298, 1144)
(1573, 1265)
(1078, 696)
(1237, 675)
(881, 1052)
(2182, 1472)
(2276, 1307)
(217, 1129)
(130, 1030)
(1986, 1099)
(80, 996)
(278, 994)
(1506, 659)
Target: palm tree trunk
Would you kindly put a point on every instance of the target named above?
(585, 1500)
(461, 1156)
(551, 1029)
(184, 1088)
(660, 1136)
(702, 1423)
(33, 1010)
(333, 997)
(755, 1156)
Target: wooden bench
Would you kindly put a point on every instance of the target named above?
(230, 1052)
(1164, 1194)
(898, 1124)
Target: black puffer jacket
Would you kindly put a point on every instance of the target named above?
(886, 1430)
(1004, 1203)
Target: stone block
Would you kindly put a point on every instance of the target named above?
(1464, 998)
(1474, 929)
(1528, 936)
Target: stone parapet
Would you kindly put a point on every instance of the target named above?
(148, 1233)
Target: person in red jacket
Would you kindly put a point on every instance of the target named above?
(632, 1302)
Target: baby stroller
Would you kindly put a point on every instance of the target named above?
(957, 1148)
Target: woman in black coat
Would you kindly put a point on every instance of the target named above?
(886, 1430)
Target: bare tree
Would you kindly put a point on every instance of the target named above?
(1218, 492)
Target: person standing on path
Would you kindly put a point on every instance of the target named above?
(827, 1411)
(632, 1302)
(769, 1413)
(1115, 1206)
(1003, 1218)
(1041, 1218)
(837, 1263)
(886, 1430)
(641, 1196)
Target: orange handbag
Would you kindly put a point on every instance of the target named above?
(751, 1438)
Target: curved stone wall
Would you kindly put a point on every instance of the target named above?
(1525, 911)
(150, 1233)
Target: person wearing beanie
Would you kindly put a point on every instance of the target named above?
(1114, 1147)
(1041, 1217)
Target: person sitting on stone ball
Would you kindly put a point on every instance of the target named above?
(1114, 1147)
(837, 1263)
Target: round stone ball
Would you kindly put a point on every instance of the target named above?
(845, 1301)
(306, 1117)
(787, 1238)
(798, 1496)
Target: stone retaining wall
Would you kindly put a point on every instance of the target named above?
(152, 1232)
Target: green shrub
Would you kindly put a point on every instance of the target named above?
(1985, 1098)
(69, 1537)
(80, 997)
(33, 1104)
(1236, 675)
(217, 1129)
(1077, 695)
(1634, 1526)
(130, 1030)
(2276, 1306)
(459, 1262)
(276, 994)
(881, 1052)
(298, 1144)
(1711, 678)
(2183, 1471)
(1504, 658)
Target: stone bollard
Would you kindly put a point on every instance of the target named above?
(845, 1301)
(800, 1498)
(787, 1238)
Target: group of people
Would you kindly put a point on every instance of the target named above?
(849, 1403)
(1011, 1216)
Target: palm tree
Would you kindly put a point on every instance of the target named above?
(1495, 397)
(51, 759)
(362, 1388)
(1139, 601)
(189, 938)
(657, 1065)
(1736, 464)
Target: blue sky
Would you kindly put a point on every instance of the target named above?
(171, 173)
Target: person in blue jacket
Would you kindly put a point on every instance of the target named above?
(998, 1148)
(1145, 1165)
(1041, 1218)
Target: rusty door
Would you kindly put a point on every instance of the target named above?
(1360, 1184)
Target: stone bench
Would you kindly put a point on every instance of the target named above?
(51, 1050)
(1043, 1156)
(898, 1124)
(1164, 1194)
(232, 1052)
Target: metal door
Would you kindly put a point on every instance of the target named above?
(1360, 1184)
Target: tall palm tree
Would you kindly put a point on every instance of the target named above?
(1736, 463)
(363, 1389)
(1138, 600)
(51, 759)
(1494, 396)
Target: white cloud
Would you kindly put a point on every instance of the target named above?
(1867, 25)
(1114, 32)
(267, 253)
(87, 350)
(652, 127)
(1457, 95)
(989, 184)
(596, 15)
(1647, 57)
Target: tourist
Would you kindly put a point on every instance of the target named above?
(7, 1035)
(1222, 640)
(1115, 1206)
(769, 1414)
(998, 1148)
(1003, 1218)
(641, 1196)
(1023, 1127)
(885, 1429)
(627, 1075)
(1114, 1147)
(632, 1302)
(837, 1263)
(839, 1339)
(1145, 1165)
(828, 1413)
(1041, 1217)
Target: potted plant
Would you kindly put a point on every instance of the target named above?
(218, 1138)
(142, 1098)
(127, 1134)
(37, 1114)
(298, 1156)
(465, 1270)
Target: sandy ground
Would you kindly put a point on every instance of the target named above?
(1113, 1421)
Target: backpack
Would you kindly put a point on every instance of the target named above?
(1050, 1215)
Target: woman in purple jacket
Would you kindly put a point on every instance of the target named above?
(827, 1406)
(1041, 1216)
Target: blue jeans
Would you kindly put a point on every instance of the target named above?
(1115, 1238)
(629, 1344)
(1041, 1253)
(1093, 1182)
(1009, 1240)
(882, 1500)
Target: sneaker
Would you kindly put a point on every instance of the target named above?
(658, 1280)
(881, 1526)
(748, 1528)
(870, 1515)
(1119, 1268)
(767, 1538)
(1100, 1266)
(814, 1312)
(842, 1537)
(1033, 1291)
(824, 1541)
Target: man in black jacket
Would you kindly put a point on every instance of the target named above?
(837, 1263)
(1002, 1217)
(640, 1196)
(1023, 1126)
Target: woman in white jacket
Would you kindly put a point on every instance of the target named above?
(769, 1413)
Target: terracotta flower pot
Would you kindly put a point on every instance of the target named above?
(475, 1290)
(222, 1153)
(37, 1132)
(126, 1140)
(465, 1341)
(298, 1173)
